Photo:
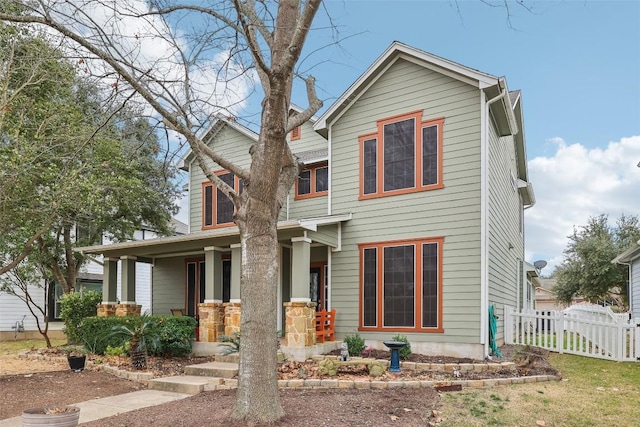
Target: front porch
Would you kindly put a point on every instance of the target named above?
(199, 274)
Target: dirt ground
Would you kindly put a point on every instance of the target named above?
(28, 383)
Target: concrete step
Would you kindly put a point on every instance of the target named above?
(187, 384)
(213, 369)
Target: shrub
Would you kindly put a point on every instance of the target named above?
(355, 344)
(174, 333)
(406, 350)
(76, 307)
(232, 343)
(114, 351)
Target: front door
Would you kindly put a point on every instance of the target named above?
(318, 285)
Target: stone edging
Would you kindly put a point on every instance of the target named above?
(314, 383)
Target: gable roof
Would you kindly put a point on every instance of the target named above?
(492, 85)
(217, 125)
(629, 255)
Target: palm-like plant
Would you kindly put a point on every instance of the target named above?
(141, 336)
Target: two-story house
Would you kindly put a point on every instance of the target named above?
(407, 219)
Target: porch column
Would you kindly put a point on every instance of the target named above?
(109, 288)
(233, 309)
(128, 306)
(300, 312)
(211, 321)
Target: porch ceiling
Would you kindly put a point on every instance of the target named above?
(222, 237)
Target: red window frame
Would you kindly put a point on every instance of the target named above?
(312, 177)
(214, 198)
(296, 132)
(378, 138)
(418, 285)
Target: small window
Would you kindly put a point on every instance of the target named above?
(217, 208)
(313, 182)
(295, 133)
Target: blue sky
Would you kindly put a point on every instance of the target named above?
(576, 62)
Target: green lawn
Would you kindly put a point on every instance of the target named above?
(593, 392)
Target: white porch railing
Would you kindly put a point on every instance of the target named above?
(575, 332)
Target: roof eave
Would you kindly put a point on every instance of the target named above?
(396, 48)
(629, 255)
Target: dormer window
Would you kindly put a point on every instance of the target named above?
(313, 182)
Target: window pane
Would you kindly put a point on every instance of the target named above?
(399, 155)
(322, 179)
(369, 285)
(208, 205)
(304, 182)
(399, 286)
(430, 155)
(224, 206)
(370, 164)
(430, 285)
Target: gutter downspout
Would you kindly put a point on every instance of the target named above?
(484, 213)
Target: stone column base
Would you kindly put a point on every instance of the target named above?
(128, 310)
(106, 310)
(300, 329)
(232, 312)
(211, 321)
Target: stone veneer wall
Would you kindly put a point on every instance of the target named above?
(128, 310)
(232, 312)
(300, 324)
(106, 310)
(211, 321)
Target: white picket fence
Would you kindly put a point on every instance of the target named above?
(591, 333)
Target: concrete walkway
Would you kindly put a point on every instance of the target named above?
(109, 406)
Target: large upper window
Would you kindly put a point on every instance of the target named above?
(404, 155)
(401, 285)
(218, 210)
(313, 182)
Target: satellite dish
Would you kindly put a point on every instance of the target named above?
(539, 265)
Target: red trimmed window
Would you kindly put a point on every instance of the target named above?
(403, 156)
(313, 182)
(401, 286)
(218, 210)
(295, 133)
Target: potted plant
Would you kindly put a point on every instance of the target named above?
(76, 357)
(141, 336)
(67, 416)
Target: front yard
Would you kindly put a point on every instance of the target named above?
(593, 392)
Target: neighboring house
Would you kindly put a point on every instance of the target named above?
(546, 300)
(14, 310)
(408, 218)
(631, 257)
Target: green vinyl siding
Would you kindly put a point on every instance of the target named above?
(309, 140)
(506, 244)
(232, 145)
(452, 212)
(306, 208)
(168, 285)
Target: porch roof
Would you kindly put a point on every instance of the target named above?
(194, 243)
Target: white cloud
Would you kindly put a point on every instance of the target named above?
(573, 185)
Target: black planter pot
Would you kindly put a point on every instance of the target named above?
(76, 363)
